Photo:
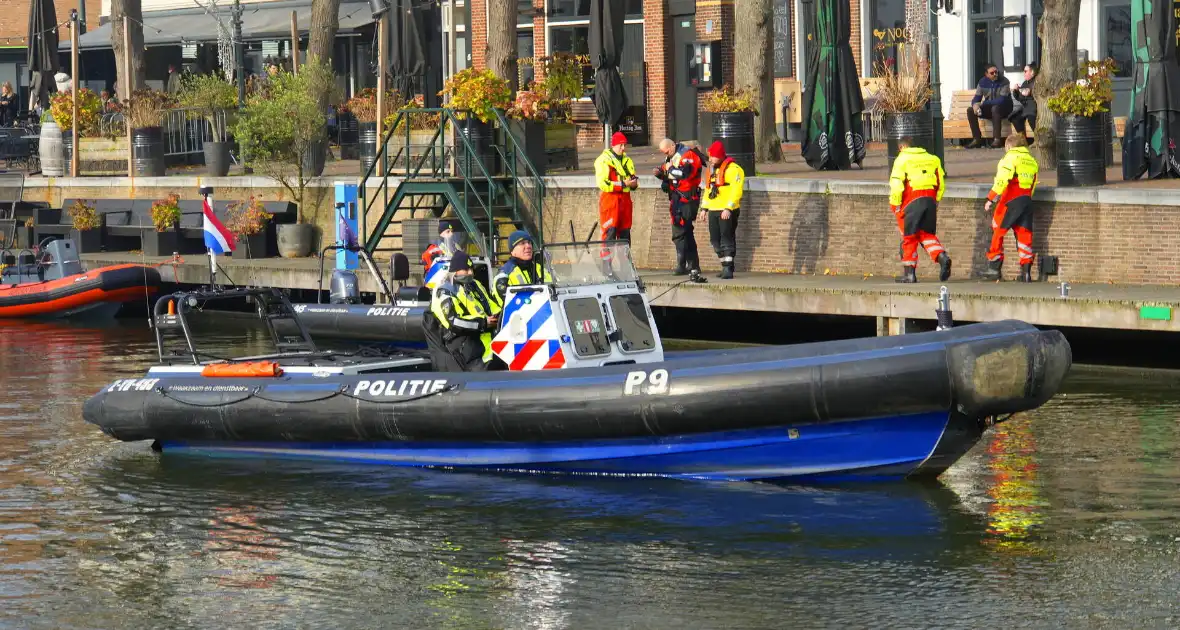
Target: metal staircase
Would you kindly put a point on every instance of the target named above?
(430, 179)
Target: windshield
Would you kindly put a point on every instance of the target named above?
(581, 264)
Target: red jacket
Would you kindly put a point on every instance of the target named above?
(685, 169)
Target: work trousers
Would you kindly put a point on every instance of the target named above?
(723, 235)
(918, 221)
(614, 215)
(1016, 215)
(683, 212)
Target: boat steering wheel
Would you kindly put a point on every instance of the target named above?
(43, 256)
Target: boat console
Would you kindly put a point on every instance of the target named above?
(53, 259)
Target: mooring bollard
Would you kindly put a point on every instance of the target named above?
(943, 312)
(1064, 289)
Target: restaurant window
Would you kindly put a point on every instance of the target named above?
(574, 40)
(524, 57)
(574, 9)
(888, 34)
(1116, 20)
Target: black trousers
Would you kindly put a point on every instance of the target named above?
(1019, 122)
(723, 235)
(996, 113)
(683, 213)
(615, 234)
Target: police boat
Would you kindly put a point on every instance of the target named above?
(590, 390)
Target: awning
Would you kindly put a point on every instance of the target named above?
(271, 20)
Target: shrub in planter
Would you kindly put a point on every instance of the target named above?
(86, 222)
(731, 118)
(248, 220)
(166, 219)
(211, 97)
(479, 92)
(903, 98)
(1079, 138)
(145, 111)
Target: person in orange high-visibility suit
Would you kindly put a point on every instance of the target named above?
(916, 186)
(615, 173)
(1016, 179)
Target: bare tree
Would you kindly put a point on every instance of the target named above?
(753, 59)
(502, 40)
(325, 21)
(133, 10)
(1058, 29)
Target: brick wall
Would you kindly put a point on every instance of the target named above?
(657, 55)
(14, 18)
(479, 34)
(857, 39)
(720, 12)
(856, 235)
(539, 39)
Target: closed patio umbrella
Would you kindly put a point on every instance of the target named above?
(42, 51)
(832, 103)
(606, 52)
(1149, 144)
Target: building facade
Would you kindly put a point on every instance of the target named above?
(14, 29)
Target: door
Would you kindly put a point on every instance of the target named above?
(981, 44)
(684, 95)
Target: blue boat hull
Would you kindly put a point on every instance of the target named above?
(860, 450)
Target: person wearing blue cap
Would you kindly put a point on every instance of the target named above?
(465, 318)
(521, 269)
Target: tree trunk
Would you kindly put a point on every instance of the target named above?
(502, 40)
(753, 56)
(325, 21)
(1058, 29)
(133, 9)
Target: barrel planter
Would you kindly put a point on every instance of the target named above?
(482, 137)
(916, 125)
(313, 159)
(50, 150)
(296, 240)
(1081, 159)
(67, 152)
(367, 145)
(217, 158)
(347, 126)
(735, 132)
(147, 151)
(530, 136)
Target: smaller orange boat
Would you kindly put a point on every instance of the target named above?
(53, 284)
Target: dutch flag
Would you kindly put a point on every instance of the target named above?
(217, 239)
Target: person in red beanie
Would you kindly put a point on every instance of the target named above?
(615, 174)
(722, 202)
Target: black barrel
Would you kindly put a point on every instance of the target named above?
(1108, 140)
(313, 159)
(1081, 160)
(482, 137)
(147, 151)
(347, 126)
(367, 146)
(917, 125)
(67, 147)
(735, 131)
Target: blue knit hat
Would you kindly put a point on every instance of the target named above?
(460, 261)
(516, 237)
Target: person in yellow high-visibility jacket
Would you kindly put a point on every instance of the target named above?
(1016, 180)
(723, 203)
(615, 173)
(916, 185)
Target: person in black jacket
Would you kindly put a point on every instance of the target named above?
(993, 100)
(1025, 111)
(9, 105)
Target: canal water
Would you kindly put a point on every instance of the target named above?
(1066, 517)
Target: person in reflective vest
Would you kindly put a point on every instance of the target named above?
(681, 177)
(1016, 180)
(466, 316)
(521, 269)
(916, 185)
(722, 202)
(615, 173)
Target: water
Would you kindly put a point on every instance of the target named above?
(1065, 517)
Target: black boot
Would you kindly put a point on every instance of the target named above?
(994, 270)
(726, 271)
(909, 275)
(944, 266)
(1026, 273)
(695, 276)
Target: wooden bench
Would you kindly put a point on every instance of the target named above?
(957, 127)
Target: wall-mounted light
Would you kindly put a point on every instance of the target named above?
(378, 7)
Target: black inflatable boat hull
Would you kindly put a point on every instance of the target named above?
(401, 325)
(884, 407)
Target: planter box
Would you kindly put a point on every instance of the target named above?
(25, 237)
(255, 245)
(87, 241)
(160, 243)
(561, 146)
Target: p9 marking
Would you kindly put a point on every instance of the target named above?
(640, 382)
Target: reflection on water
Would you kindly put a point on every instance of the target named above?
(1061, 517)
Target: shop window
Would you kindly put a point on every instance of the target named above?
(889, 34)
(782, 39)
(575, 39)
(574, 9)
(1117, 23)
(983, 7)
(526, 73)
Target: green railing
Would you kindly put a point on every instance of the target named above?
(480, 189)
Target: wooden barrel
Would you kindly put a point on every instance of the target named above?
(51, 151)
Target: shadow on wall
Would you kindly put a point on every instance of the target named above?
(982, 241)
(808, 238)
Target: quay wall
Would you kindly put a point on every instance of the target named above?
(795, 226)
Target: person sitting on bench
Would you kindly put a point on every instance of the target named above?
(993, 100)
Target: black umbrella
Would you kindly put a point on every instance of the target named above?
(1149, 145)
(832, 103)
(606, 51)
(407, 64)
(42, 59)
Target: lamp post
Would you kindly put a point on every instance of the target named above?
(380, 8)
(936, 87)
(239, 53)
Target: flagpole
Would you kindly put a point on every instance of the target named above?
(205, 192)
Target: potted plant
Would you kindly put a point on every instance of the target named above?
(249, 220)
(563, 84)
(731, 120)
(211, 97)
(86, 222)
(61, 105)
(1079, 135)
(166, 219)
(903, 95)
(145, 111)
(476, 94)
(26, 234)
(278, 129)
(363, 107)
